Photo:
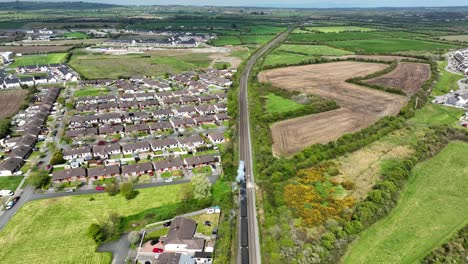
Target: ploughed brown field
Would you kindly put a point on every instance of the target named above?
(10, 102)
(407, 76)
(359, 106)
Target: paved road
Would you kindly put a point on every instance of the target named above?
(26, 195)
(118, 248)
(246, 151)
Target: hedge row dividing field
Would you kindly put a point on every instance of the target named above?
(430, 210)
(389, 45)
(39, 59)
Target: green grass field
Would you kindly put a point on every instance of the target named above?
(389, 45)
(280, 58)
(463, 38)
(266, 29)
(313, 50)
(54, 230)
(93, 91)
(77, 35)
(95, 66)
(256, 39)
(447, 81)
(434, 114)
(226, 40)
(39, 59)
(430, 210)
(10, 182)
(277, 104)
(316, 37)
(338, 29)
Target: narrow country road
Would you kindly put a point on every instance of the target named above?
(245, 151)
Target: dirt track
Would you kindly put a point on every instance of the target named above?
(359, 106)
(10, 102)
(407, 76)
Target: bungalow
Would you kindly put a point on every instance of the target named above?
(208, 119)
(106, 98)
(103, 172)
(106, 150)
(180, 93)
(110, 118)
(149, 103)
(87, 108)
(10, 165)
(137, 128)
(75, 153)
(83, 120)
(206, 109)
(128, 105)
(110, 106)
(21, 152)
(144, 96)
(111, 129)
(163, 95)
(197, 161)
(69, 175)
(194, 140)
(188, 99)
(221, 107)
(137, 147)
(163, 113)
(127, 97)
(180, 237)
(186, 111)
(86, 100)
(137, 169)
(207, 98)
(171, 101)
(221, 117)
(12, 83)
(160, 126)
(81, 132)
(168, 165)
(29, 81)
(142, 116)
(216, 137)
(163, 144)
(182, 122)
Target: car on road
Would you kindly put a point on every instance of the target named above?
(69, 190)
(11, 203)
(169, 180)
(168, 223)
(100, 188)
(158, 250)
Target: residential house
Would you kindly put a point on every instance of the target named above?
(69, 175)
(92, 131)
(110, 129)
(206, 109)
(21, 152)
(105, 151)
(161, 144)
(192, 141)
(137, 128)
(203, 257)
(180, 237)
(208, 119)
(216, 138)
(221, 117)
(169, 164)
(137, 147)
(160, 126)
(137, 169)
(103, 172)
(198, 161)
(10, 165)
(80, 152)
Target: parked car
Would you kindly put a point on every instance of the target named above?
(215, 231)
(69, 190)
(169, 180)
(154, 242)
(158, 250)
(11, 203)
(6, 192)
(168, 223)
(100, 188)
(207, 223)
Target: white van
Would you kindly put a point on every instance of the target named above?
(6, 192)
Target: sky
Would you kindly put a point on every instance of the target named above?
(285, 3)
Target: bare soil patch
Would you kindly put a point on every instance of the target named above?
(407, 76)
(10, 102)
(359, 106)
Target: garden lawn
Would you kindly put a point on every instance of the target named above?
(97, 66)
(389, 45)
(314, 50)
(10, 182)
(431, 209)
(434, 114)
(50, 58)
(54, 230)
(447, 81)
(278, 104)
(95, 91)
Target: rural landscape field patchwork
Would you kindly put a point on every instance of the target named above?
(162, 134)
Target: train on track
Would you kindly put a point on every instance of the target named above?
(244, 226)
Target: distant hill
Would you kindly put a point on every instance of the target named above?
(17, 5)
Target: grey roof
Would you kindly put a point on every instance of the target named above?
(65, 174)
(181, 231)
(102, 171)
(216, 136)
(141, 167)
(105, 149)
(76, 151)
(168, 258)
(135, 146)
(11, 164)
(20, 152)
